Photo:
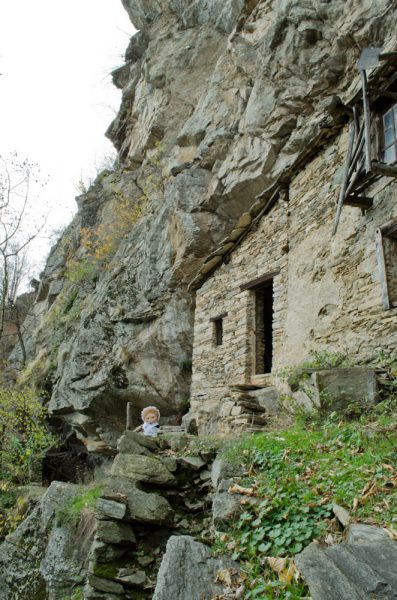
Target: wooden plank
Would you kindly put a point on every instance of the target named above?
(342, 192)
(380, 253)
(384, 169)
(367, 121)
(259, 281)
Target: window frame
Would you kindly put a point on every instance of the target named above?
(389, 230)
(383, 145)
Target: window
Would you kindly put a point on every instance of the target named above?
(217, 329)
(389, 146)
(386, 246)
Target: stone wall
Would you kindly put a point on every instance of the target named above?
(327, 293)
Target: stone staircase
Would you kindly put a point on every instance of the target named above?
(249, 409)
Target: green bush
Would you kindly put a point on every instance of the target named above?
(24, 437)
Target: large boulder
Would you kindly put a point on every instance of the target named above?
(362, 568)
(189, 571)
(42, 558)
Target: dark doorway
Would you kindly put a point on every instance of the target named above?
(264, 328)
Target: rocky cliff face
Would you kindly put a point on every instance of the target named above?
(219, 99)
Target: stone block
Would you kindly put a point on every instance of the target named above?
(189, 571)
(361, 533)
(104, 553)
(128, 445)
(141, 506)
(194, 463)
(268, 398)
(112, 532)
(109, 509)
(105, 585)
(151, 443)
(142, 468)
(131, 579)
(225, 509)
(221, 469)
(336, 389)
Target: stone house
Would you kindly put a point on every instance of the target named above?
(311, 265)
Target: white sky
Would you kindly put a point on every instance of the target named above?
(56, 94)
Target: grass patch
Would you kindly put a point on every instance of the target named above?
(70, 513)
(294, 476)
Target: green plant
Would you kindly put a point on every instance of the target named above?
(292, 478)
(319, 359)
(78, 594)
(80, 270)
(24, 437)
(70, 512)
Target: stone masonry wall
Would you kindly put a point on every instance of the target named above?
(326, 293)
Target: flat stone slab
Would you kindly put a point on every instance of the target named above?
(359, 571)
(361, 533)
(188, 571)
(192, 462)
(334, 389)
(146, 441)
(142, 468)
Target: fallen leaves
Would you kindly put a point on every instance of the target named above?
(233, 582)
(238, 489)
(284, 567)
(392, 533)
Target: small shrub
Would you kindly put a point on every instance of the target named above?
(71, 512)
(24, 437)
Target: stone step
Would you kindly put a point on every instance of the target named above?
(251, 406)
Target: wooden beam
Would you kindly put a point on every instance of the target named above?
(357, 152)
(388, 55)
(388, 94)
(384, 169)
(128, 424)
(359, 201)
(345, 176)
(259, 281)
(367, 121)
(380, 253)
(389, 229)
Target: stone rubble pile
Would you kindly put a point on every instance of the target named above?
(154, 493)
